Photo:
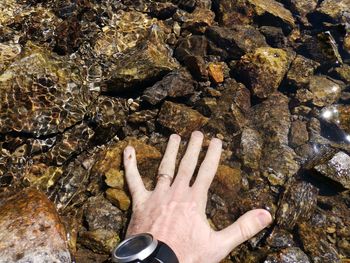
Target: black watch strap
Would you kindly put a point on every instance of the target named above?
(163, 254)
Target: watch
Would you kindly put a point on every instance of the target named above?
(143, 248)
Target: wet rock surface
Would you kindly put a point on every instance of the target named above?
(337, 169)
(81, 80)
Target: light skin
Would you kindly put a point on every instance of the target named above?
(174, 212)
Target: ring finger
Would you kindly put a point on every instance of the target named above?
(167, 166)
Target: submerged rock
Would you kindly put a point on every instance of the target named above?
(191, 46)
(251, 145)
(41, 94)
(316, 245)
(31, 230)
(144, 63)
(297, 204)
(343, 72)
(104, 221)
(334, 9)
(264, 69)
(232, 13)
(278, 163)
(228, 115)
(298, 133)
(180, 119)
(8, 10)
(301, 70)
(8, 52)
(274, 36)
(303, 8)
(199, 20)
(280, 238)
(227, 182)
(107, 115)
(273, 8)
(344, 117)
(337, 169)
(175, 84)
(324, 91)
(71, 143)
(272, 119)
(236, 40)
(109, 161)
(288, 255)
(125, 31)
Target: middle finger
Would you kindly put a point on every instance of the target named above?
(189, 161)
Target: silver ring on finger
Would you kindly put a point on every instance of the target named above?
(167, 176)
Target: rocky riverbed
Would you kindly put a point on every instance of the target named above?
(81, 79)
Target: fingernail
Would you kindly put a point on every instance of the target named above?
(197, 134)
(265, 218)
(128, 151)
(175, 137)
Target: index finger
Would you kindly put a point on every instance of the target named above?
(133, 177)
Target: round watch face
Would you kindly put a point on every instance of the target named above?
(137, 247)
(133, 246)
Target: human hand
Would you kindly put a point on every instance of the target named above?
(174, 212)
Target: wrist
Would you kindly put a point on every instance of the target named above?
(143, 248)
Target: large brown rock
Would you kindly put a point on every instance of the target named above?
(228, 116)
(272, 118)
(316, 245)
(147, 61)
(230, 12)
(227, 182)
(278, 163)
(324, 91)
(104, 221)
(31, 230)
(297, 203)
(180, 118)
(236, 40)
(264, 69)
(334, 9)
(301, 70)
(273, 8)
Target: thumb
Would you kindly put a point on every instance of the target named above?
(247, 226)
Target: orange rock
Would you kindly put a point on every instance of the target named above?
(216, 72)
(118, 198)
(227, 182)
(109, 164)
